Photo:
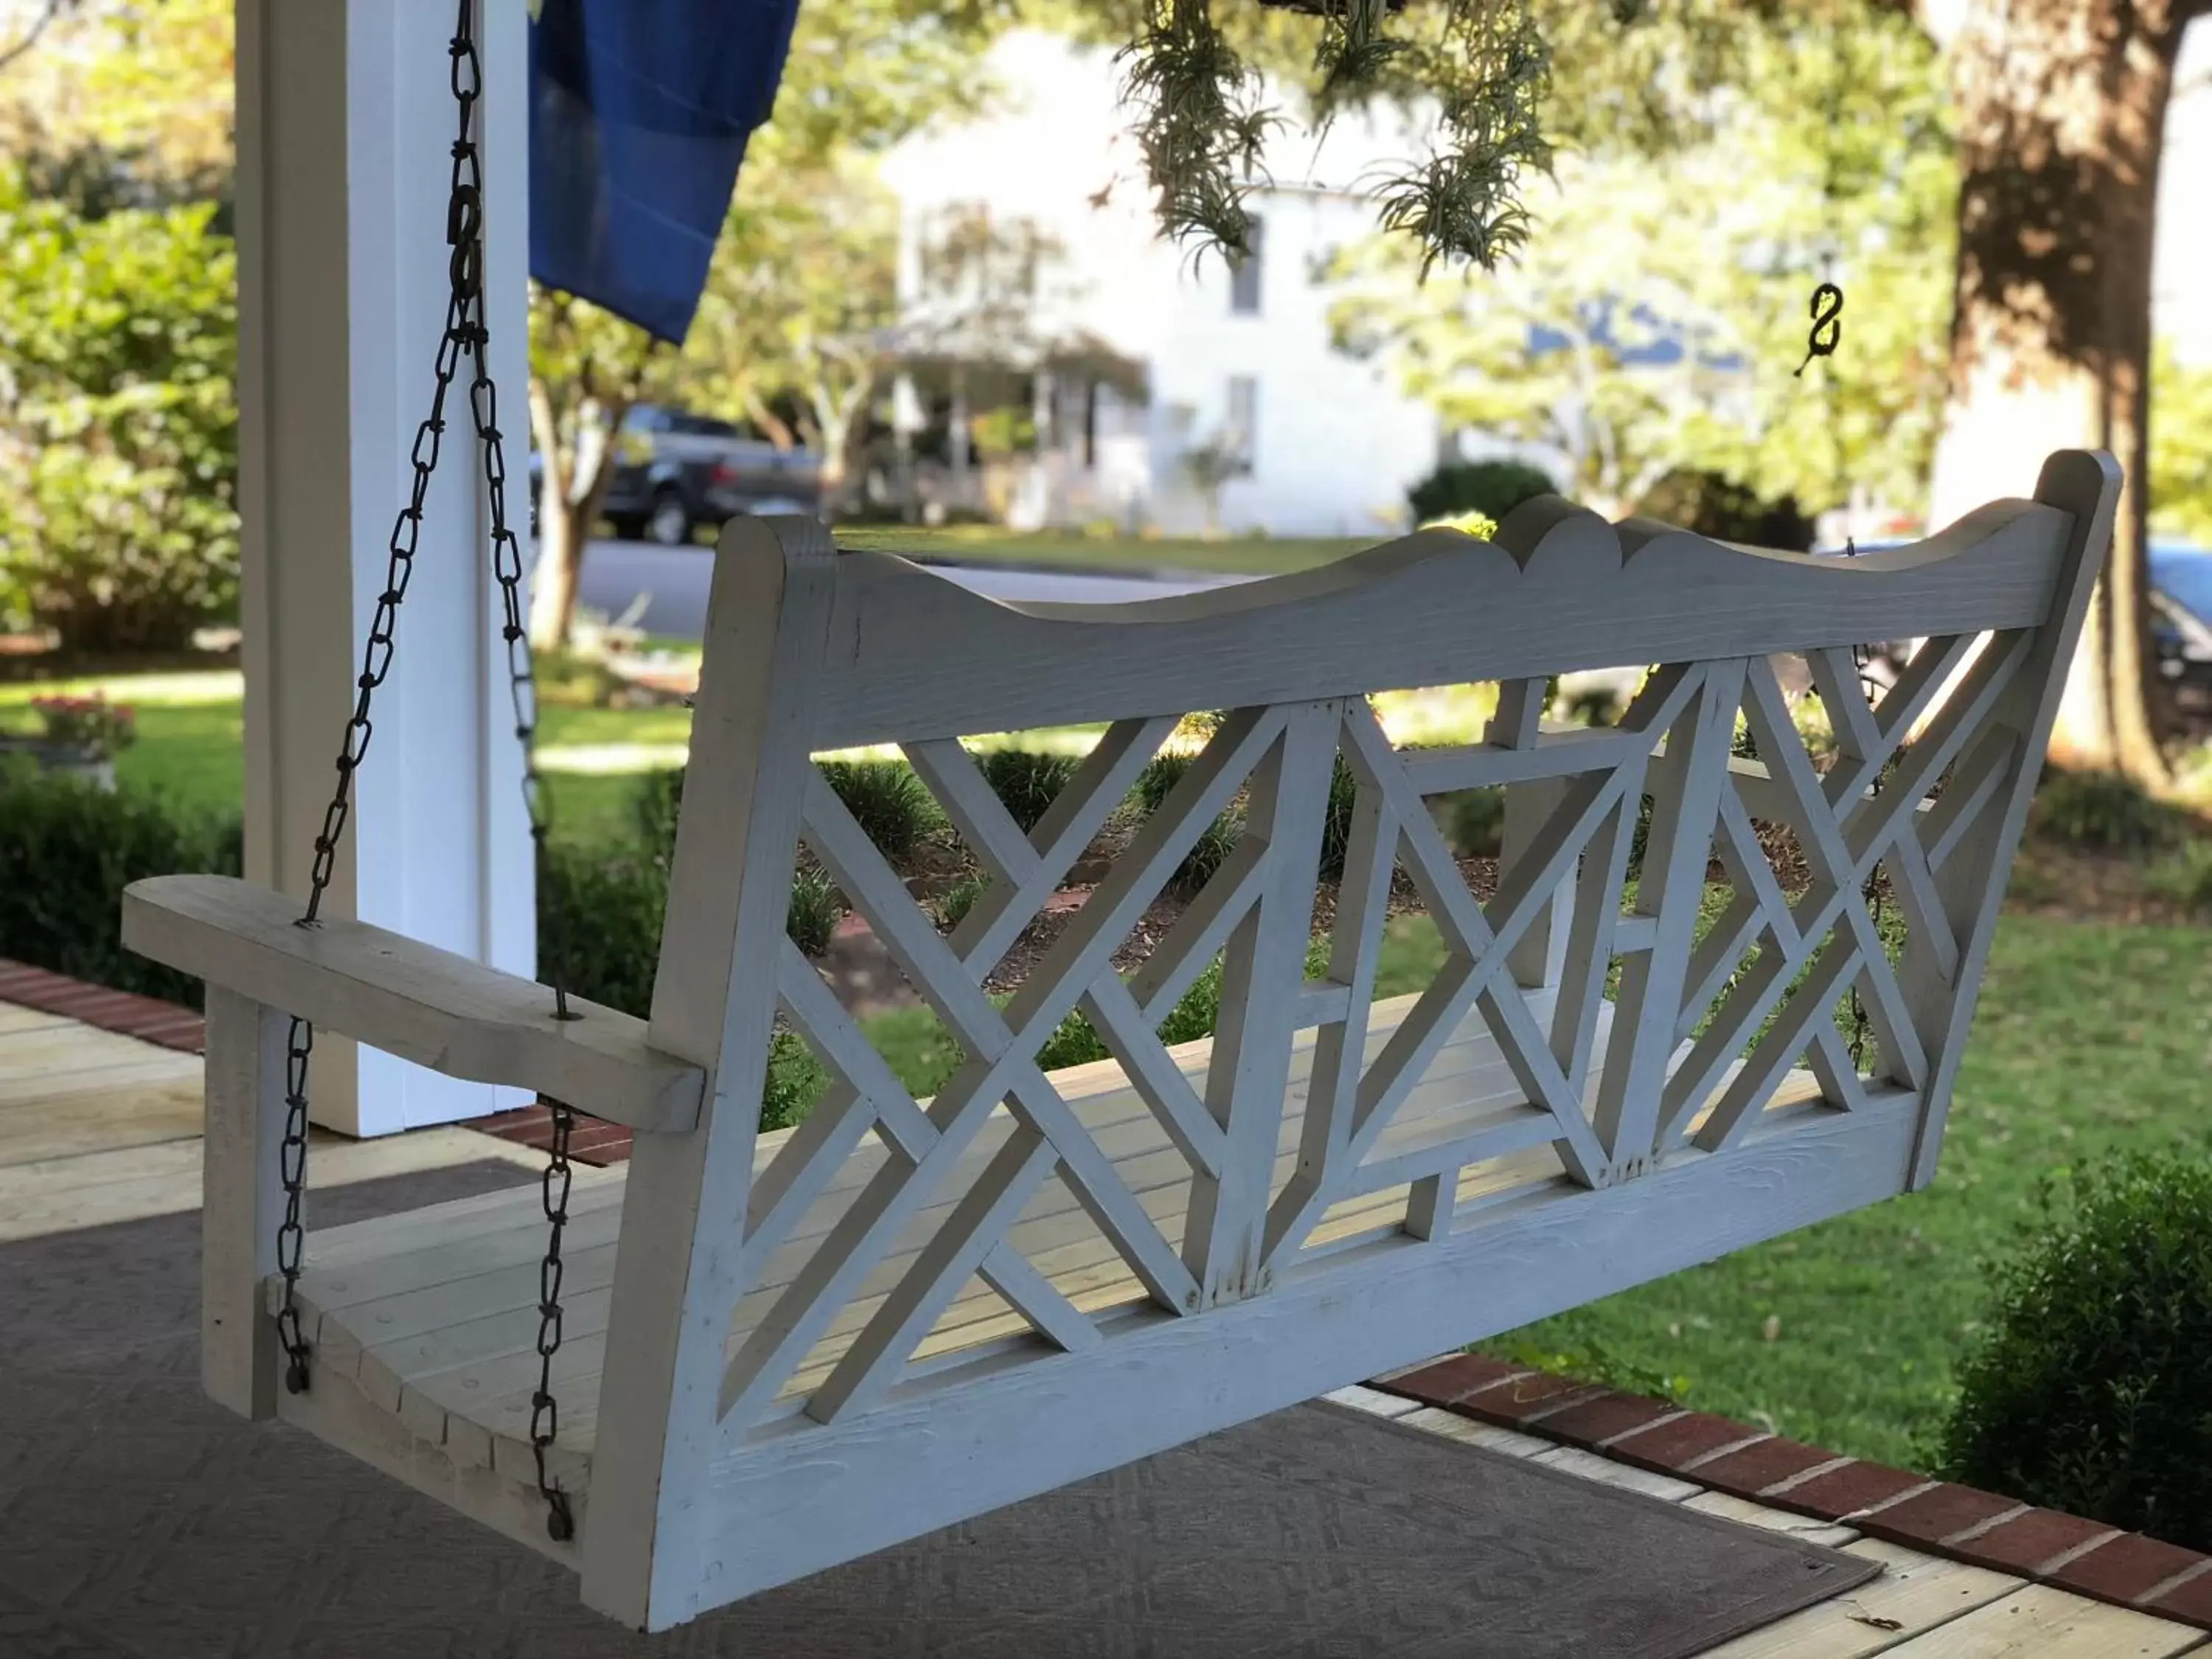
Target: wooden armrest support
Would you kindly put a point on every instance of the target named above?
(413, 999)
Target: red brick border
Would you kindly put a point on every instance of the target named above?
(167, 1024)
(592, 1141)
(1935, 1517)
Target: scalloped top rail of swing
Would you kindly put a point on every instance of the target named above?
(785, 1350)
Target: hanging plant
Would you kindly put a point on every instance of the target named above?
(1202, 123)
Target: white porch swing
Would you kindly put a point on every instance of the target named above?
(772, 1352)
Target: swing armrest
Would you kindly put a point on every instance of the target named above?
(413, 999)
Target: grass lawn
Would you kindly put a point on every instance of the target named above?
(1236, 556)
(2091, 1038)
(191, 734)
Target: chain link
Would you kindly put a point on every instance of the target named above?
(465, 335)
(464, 231)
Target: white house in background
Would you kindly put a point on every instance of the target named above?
(1327, 444)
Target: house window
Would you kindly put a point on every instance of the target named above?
(1243, 422)
(1244, 274)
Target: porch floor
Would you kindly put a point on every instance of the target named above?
(98, 1128)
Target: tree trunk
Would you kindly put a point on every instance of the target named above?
(2062, 108)
(569, 498)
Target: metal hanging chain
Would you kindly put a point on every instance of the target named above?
(465, 334)
(464, 231)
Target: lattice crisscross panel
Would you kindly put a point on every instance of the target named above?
(1734, 921)
(885, 1230)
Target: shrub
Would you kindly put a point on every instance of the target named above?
(1475, 823)
(817, 907)
(2185, 877)
(795, 1081)
(657, 803)
(1025, 781)
(957, 901)
(1492, 488)
(118, 425)
(890, 802)
(1713, 505)
(1161, 774)
(2087, 1393)
(1206, 855)
(1212, 847)
(1336, 828)
(68, 849)
(2102, 811)
(612, 903)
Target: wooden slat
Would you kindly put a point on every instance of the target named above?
(919, 656)
(1915, 1595)
(15, 1018)
(432, 1006)
(2045, 1622)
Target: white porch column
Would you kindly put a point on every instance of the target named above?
(345, 115)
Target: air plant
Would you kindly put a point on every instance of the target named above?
(1202, 125)
(1464, 202)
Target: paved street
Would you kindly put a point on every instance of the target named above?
(673, 582)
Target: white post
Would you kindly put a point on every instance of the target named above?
(345, 114)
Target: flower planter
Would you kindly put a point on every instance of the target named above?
(53, 758)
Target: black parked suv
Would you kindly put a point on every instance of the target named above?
(675, 472)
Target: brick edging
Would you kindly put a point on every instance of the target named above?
(170, 1024)
(1935, 1517)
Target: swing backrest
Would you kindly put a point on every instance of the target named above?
(1717, 1027)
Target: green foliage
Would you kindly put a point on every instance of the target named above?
(570, 679)
(2087, 1393)
(886, 799)
(2185, 877)
(1682, 355)
(1491, 75)
(1206, 855)
(2102, 811)
(1161, 774)
(2181, 446)
(1492, 488)
(1476, 823)
(1482, 68)
(795, 1081)
(1715, 506)
(1026, 780)
(1212, 847)
(612, 903)
(1200, 124)
(118, 427)
(1591, 1362)
(655, 807)
(817, 907)
(68, 848)
(1336, 828)
(957, 900)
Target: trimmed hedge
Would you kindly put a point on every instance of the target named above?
(2088, 1392)
(1492, 488)
(67, 851)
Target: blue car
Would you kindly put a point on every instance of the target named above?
(2181, 620)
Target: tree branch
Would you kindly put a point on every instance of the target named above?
(39, 25)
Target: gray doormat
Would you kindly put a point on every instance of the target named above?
(136, 1519)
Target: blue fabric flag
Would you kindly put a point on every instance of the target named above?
(639, 114)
